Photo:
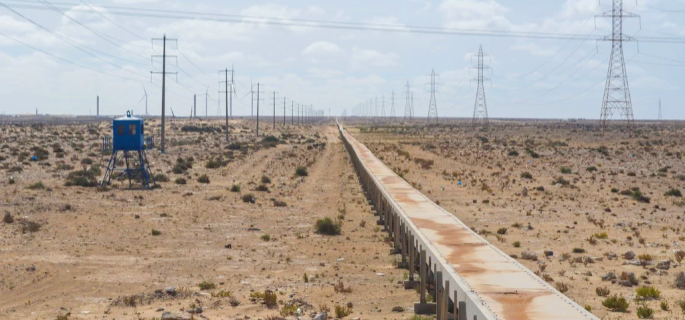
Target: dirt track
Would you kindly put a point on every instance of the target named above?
(96, 251)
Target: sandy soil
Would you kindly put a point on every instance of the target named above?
(94, 250)
(574, 213)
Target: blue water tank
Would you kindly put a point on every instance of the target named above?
(128, 133)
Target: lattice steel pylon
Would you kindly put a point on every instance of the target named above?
(617, 91)
(480, 108)
(408, 108)
(433, 104)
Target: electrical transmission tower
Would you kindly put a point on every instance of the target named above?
(392, 106)
(229, 95)
(408, 107)
(617, 91)
(433, 104)
(164, 56)
(480, 109)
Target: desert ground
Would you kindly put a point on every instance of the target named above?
(237, 220)
(73, 252)
(562, 197)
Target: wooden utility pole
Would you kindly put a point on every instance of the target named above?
(163, 73)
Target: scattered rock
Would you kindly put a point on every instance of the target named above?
(170, 291)
(160, 309)
(321, 316)
(549, 253)
(227, 246)
(529, 255)
(663, 265)
(680, 280)
(175, 316)
(609, 276)
(625, 283)
(611, 256)
(31, 268)
(629, 255)
(397, 309)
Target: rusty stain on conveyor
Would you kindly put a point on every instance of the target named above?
(507, 288)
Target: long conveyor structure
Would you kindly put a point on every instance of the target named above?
(468, 277)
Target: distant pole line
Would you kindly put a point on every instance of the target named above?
(163, 73)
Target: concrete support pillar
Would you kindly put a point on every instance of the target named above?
(397, 231)
(462, 310)
(403, 244)
(446, 301)
(424, 276)
(438, 296)
(412, 257)
(455, 313)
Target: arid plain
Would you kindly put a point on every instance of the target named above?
(569, 202)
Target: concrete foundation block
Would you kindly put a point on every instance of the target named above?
(395, 251)
(403, 265)
(380, 222)
(408, 285)
(424, 308)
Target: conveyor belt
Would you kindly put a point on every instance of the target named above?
(488, 283)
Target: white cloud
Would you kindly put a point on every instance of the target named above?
(364, 59)
(321, 47)
(474, 14)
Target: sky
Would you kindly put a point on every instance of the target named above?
(96, 51)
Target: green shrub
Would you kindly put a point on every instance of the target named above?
(342, 311)
(36, 186)
(203, 179)
(301, 171)
(156, 232)
(647, 293)
(644, 312)
(206, 285)
(565, 170)
(602, 291)
(248, 198)
(270, 299)
(532, 153)
(160, 177)
(673, 193)
(30, 226)
(181, 181)
(266, 237)
(8, 218)
(262, 188)
(266, 180)
(502, 231)
(578, 250)
(616, 303)
(601, 235)
(517, 244)
(591, 169)
(664, 305)
(235, 188)
(83, 178)
(328, 227)
(526, 175)
(86, 161)
(513, 153)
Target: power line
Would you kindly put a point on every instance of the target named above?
(66, 60)
(340, 25)
(97, 33)
(81, 48)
